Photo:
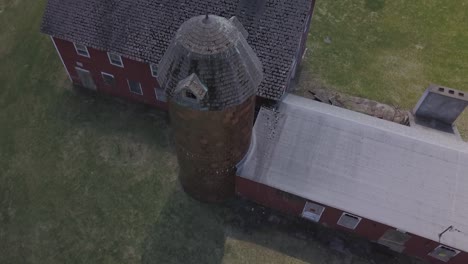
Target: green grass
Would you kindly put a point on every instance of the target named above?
(389, 51)
(84, 179)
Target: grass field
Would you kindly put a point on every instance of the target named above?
(84, 179)
(389, 51)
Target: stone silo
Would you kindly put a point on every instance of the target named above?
(211, 75)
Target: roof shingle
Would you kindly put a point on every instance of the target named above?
(143, 29)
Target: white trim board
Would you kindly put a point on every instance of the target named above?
(61, 59)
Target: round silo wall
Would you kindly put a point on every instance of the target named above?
(209, 145)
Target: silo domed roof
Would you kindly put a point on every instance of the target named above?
(207, 34)
(215, 50)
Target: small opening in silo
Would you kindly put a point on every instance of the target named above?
(441, 89)
(461, 94)
(190, 95)
(451, 92)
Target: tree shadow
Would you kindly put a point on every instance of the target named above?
(186, 231)
(81, 108)
(302, 239)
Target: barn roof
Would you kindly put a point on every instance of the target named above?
(143, 29)
(412, 179)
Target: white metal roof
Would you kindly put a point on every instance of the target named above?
(412, 179)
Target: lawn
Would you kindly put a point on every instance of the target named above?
(85, 179)
(389, 51)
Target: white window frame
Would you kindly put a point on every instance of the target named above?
(61, 59)
(313, 216)
(307, 23)
(398, 244)
(121, 65)
(107, 74)
(85, 48)
(351, 215)
(449, 248)
(152, 67)
(157, 97)
(130, 88)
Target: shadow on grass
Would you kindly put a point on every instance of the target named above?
(186, 231)
(190, 232)
(304, 240)
(375, 5)
(81, 108)
(183, 230)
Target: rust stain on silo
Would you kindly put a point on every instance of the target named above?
(209, 146)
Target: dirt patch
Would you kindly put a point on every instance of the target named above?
(399, 66)
(5, 47)
(375, 5)
(5, 4)
(123, 148)
(358, 104)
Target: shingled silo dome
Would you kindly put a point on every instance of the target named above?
(213, 52)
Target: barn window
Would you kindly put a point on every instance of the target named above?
(349, 221)
(81, 50)
(108, 79)
(154, 70)
(135, 87)
(444, 253)
(160, 95)
(394, 239)
(313, 211)
(115, 59)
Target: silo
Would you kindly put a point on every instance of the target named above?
(211, 75)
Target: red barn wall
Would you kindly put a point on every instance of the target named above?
(269, 197)
(99, 62)
(302, 48)
(306, 31)
(291, 204)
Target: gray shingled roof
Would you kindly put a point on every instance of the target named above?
(143, 29)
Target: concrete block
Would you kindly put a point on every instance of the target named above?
(441, 104)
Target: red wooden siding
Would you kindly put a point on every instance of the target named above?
(269, 197)
(302, 48)
(99, 62)
(291, 204)
(306, 32)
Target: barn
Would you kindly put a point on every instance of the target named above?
(114, 47)
(403, 187)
